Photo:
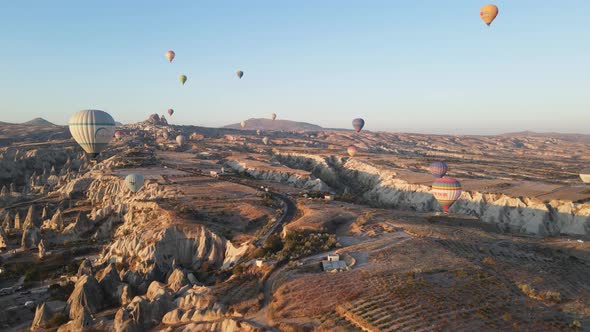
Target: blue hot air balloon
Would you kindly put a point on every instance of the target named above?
(438, 169)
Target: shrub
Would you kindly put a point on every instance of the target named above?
(489, 260)
(57, 320)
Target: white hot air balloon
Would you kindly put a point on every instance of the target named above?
(93, 130)
(180, 139)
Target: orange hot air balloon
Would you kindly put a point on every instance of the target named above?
(351, 150)
(488, 13)
(170, 55)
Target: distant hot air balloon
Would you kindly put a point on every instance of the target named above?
(180, 139)
(240, 73)
(243, 124)
(118, 134)
(182, 79)
(258, 132)
(438, 169)
(170, 55)
(265, 140)
(488, 13)
(358, 124)
(134, 181)
(585, 175)
(351, 150)
(446, 191)
(92, 129)
(273, 116)
(170, 111)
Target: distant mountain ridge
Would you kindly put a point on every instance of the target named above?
(39, 122)
(562, 136)
(268, 124)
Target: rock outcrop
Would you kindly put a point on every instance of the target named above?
(31, 237)
(87, 296)
(111, 284)
(3, 239)
(42, 316)
(177, 280)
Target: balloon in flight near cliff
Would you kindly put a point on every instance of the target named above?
(488, 13)
(170, 55)
(92, 130)
(351, 150)
(446, 191)
(358, 124)
(180, 139)
(182, 79)
(438, 169)
(134, 181)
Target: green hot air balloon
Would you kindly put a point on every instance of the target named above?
(93, 130)
(182, 79)
(134, 181)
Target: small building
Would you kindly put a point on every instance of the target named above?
(333, 257)
(333, 266)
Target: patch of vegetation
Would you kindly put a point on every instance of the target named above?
(489, 260)
(57, 320)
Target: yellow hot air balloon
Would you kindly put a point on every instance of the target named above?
(488, 13)
(182, 79)
(243, 124)
(170, 55)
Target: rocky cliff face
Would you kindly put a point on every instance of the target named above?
(383, 188)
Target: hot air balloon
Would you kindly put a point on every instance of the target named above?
(358, 124)
(243, 124)
(180, 139)
(182, 79)
(93, 130)
(446, 191)
(351, 150)
(134, 181)
(438, 169)
(488, 13)
(585, 175)
(118, 134)
(265, 140)
(170, 111)
(273, 116)
(170, 55)
(258, 132)
(240, 73)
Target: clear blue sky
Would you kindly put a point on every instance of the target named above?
(419, 66)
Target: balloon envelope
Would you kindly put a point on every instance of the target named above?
(170, 55)
(243, 124)
(182, 79)
(180, 139)
(488, 13)
(438, 169)
(585, 175)
(351, 150)
(273, 116)
(358, 124)
(118, 134)
(265, 140)
(134, 181)
(240, 73)
(258, 132)
(446, 191)
(92, 129)
(170, 111)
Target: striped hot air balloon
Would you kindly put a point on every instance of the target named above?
(351, 150)
(446, 191)
(93, 130)
(358, 124)
(438, 169)
(585, 175)
(134, 181)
